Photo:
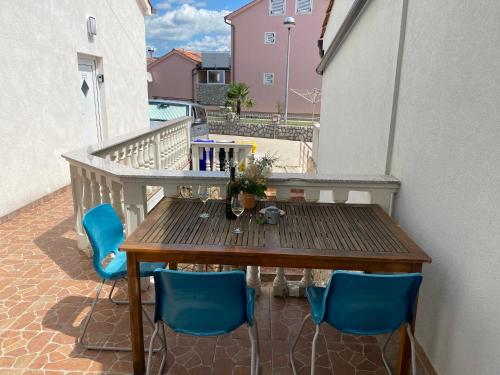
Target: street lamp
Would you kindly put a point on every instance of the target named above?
(289, 24)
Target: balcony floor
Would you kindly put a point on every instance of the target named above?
(47, 286)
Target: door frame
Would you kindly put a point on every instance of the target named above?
(94, 62)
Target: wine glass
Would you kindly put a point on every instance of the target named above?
(204, 195)
(237, 208)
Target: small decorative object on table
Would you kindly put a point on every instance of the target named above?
(252, 179)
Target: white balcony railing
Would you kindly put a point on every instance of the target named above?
(216, 153)
(120, 171)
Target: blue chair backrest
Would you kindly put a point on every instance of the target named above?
(105, 232)
(370, 304)
(201, 303)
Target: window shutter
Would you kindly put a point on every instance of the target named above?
(269, 37)
(303, 6)
(276, 7)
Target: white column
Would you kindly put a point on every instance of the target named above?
(253, 278)
(280, 286)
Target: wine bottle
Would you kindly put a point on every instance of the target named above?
(229, 190)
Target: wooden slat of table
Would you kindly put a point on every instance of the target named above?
(360, 231)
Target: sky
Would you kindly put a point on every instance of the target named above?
(190, 24)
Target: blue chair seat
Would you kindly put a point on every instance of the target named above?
(117, 268)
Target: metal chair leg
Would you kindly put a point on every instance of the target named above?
(257, 362)
(253, 342)
(313, 352)
(383, 354)
(123, 302)
(81, 339)
(413, 355)
(292, 349)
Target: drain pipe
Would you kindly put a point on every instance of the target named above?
(232, 47)
(194, 72)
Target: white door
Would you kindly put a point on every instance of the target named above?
(89, 100)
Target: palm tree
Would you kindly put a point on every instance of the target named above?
(237, 96)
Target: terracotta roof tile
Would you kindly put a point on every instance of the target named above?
(193, 55)
(327, 18)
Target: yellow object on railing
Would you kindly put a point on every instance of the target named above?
(253, 143)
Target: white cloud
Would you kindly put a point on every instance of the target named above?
(210, 43)
(185, 22)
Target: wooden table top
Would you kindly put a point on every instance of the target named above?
(316, 232)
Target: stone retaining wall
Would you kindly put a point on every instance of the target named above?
(211, 94)
(290, 132)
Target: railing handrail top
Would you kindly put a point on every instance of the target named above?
(228, 144)
(127, 137)
(129, 174)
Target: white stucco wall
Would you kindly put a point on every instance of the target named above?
(357, 104)
(39, 86)
(446, 154)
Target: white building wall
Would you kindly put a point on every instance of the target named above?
(446, 154)
(39, 103)
(358, 101)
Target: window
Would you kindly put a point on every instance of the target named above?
(303, 6)
(268, 79)
(215, 76)
(276, 7)
(269, 37)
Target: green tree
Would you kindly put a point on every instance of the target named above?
(237, 97)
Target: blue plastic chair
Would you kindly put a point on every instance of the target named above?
(105, 232)
(363, 304)
(204, 304)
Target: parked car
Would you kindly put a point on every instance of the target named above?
(161, 110)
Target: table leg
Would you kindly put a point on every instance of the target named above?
(404, 357)
(137, 335)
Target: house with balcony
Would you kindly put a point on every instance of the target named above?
(203, 77)
(259, 51)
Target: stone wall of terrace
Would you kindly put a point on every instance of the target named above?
(289, 132)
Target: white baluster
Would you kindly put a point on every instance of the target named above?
(116, 199)
(96, 190)
(311, 194)
(340, 195)
(87, 192)
(105, 192)
(152, 153)
(307, 277)
(140, 154)
(195, 157)
(280, 286)
(135, 155)
(199, 267)
(283, 193)
(253, 278)
(77, 191)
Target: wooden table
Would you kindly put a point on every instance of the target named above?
(310, 235)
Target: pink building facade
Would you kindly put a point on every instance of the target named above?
(259, 44)
(172, 76)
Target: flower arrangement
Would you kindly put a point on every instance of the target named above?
(252, 176)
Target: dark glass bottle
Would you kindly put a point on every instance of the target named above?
(229, 213)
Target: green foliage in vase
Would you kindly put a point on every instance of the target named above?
(252, 177)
